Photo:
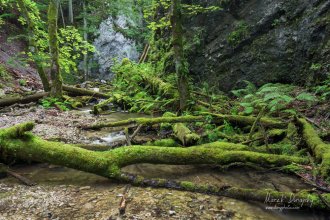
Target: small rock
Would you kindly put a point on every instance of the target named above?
(172, 212)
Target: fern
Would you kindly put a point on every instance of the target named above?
(249, 89)
(305, 96)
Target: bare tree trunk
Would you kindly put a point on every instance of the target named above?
(32, 43)
(56, 90)
(180, 63)
(86, 39)
(62, 15)
(70, 9)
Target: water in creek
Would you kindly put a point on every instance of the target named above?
(50, 175)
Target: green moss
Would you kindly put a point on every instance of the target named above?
(320, 150)
(292, 168)
(167, 125)
(187, 185)
(185, 135)
(164, 143)
(240, 32)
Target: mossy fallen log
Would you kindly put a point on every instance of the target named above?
(320, 149)
(35, 97)
(84, 92)
(242, 120)
(98, 108)
(185, 135)
(16, 141)
(248, 120)
(271, 198)
(23, 100)
(75, 103)
(147, 121)
(28, 147)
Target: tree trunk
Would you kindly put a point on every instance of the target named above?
(56, 89)
(70, 9)
(181, 66)
(32, 43)
(85, 62)
(16, 142)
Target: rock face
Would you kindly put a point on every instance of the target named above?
(261, 41)
(113, 45)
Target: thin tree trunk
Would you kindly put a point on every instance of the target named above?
(32, 43)
(62, 15)
(70, 9)
(86, 39)
(180, 63)
(56, 90)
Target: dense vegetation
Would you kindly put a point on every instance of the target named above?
(278, 126)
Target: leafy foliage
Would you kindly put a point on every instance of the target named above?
(4, 75)
(51, 102)
(276, 97)
(323, 90)
(139, 87)
(240, 33)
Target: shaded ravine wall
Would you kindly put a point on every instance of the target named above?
(261, 41)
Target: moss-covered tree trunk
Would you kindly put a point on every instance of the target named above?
(181, 67)
(16, 142)
(32, 43)
(56, 89)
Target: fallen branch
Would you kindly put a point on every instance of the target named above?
(35, 97)
(242, 120)
(147, 121)
(123, 202)
(320, 149)
(21, 178)
(248, 120)
(22, 100)
(84, 92)
(303, 199)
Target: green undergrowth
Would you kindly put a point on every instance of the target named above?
(279, 99)
(138, 88)
(50, 102)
